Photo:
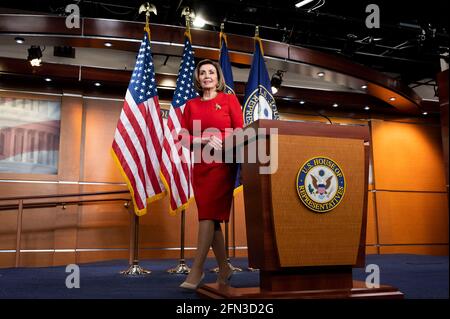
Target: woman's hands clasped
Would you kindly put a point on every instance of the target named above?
(213, 141)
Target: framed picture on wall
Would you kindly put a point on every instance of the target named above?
(29, 135)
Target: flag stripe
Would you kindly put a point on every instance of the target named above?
(176, 160)
(137, 153)
(173, 166)
(134, 133)
(129, 168)
(138, 138)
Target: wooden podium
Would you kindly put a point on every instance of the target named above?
(302, 252)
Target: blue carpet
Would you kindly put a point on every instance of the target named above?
(417, 276)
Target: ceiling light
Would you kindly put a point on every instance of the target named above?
(364, 87)
(108, 44)
(302, 102)
(19, 40)
(97, 84)
(276, 81)
(367, 108)
(34, 55)
(335, 105)
(302, 3)
(424, 113)
(392, 99)
(321, 74)
(48, 80)
(199, 22)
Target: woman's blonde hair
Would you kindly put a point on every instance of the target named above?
(220, 79)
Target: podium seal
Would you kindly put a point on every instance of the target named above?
(320, 184)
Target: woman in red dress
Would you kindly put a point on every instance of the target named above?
(213, 183)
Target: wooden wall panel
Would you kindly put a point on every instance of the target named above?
(371, 230)
(103, 225)
(36, 259)
(65, 234)
(442, 79)
(13, 189)
(437, 250)
(7, 260)
(101, 122)
(64, 258)
(239, 222)
(371, 250)
(38, 226)
(70, 138)
(97, 256)
(412, 218)
(8, 225)
(159, 229)
(317, 118)
(407, 157)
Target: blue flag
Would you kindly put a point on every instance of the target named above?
(225, 64)
(259, 102)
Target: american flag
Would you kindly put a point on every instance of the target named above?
(137, 144)
(176, 160)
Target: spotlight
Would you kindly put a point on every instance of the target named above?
(35, 55)
(19, 40)
(302, 102)
(425, 113)
(335, 105)
(367, 108)
(199, 22)
(364, 87)
(392, 99)
(48, 80)
(108, 44)
(97, 84)
(276, 81)
(321, 74)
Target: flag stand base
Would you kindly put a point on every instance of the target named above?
(135, 270)
(182, 268)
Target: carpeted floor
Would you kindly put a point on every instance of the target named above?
(417, 276)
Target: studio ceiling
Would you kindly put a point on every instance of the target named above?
(408, 45)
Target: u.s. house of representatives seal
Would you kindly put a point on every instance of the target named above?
(260, 105)
(320, 184)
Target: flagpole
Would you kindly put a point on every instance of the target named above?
(134, 269)
(182, 267)
(233, 216)
(222, 35)
(259, 43)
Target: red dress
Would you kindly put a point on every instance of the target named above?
(213, 183)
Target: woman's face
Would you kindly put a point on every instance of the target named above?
(207, 75)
